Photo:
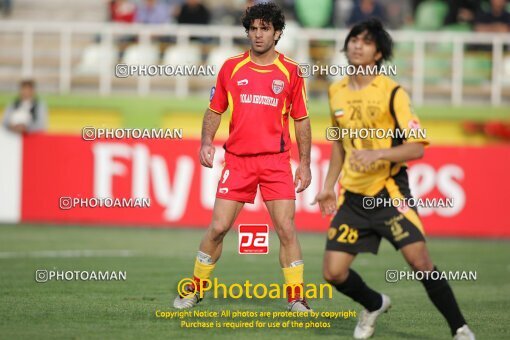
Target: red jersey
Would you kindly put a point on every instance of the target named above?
(261, 99)
(123, 12)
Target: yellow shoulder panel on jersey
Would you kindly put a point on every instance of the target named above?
(236, 56)
(290, 60)
(240, 64)
(282, 68)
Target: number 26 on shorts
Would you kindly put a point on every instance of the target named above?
(347, 234)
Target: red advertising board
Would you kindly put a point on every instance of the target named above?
(181, 192)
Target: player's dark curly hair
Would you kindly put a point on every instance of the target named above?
(268, 12)
(375, 31)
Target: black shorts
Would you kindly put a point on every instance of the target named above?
(356, 229)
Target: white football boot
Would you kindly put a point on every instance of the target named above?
(366, 320)
(299, 305)
(464, 333)
(187, 301)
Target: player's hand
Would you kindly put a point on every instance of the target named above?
(207, 155)
(365, 157)
(302, 178)
(327, 201)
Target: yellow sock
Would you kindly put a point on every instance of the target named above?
(294, 275)
(203, 271)
(294, 279)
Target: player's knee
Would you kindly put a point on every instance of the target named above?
(218, 230)
(286, 232)
(335, 277)
(421, 264)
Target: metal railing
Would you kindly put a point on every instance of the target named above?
(226, 35)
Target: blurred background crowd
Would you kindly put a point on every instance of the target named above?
(478, 15)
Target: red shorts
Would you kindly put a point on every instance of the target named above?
(243, 174)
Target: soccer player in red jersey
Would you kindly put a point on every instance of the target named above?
(262, 88)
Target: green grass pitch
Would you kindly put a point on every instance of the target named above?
(156, 259)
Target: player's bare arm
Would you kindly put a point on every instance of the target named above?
(303, 175)
(396, 154)
(327, 197)
(210, 125)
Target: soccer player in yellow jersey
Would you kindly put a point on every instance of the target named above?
(374, 168)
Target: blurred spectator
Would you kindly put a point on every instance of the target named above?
(288, 7)
(415, 4)
(343, 9)
(152, 12)
(366, 9)
(174, 6)
(122, 11)
(495, 20)
(398, 13)
(461, 11)
(27, 113)
(193, 12)
(6, 6)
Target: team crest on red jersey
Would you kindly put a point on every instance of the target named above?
(278, 86)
